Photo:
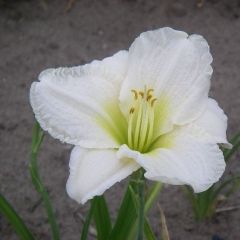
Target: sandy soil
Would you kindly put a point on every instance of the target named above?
(34, 36)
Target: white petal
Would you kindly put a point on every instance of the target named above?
(176, 66)
(187, 161)
(77, 105)
(211, 126)
(93, 171)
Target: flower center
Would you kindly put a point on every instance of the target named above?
(141, 120)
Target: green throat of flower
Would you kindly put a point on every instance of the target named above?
(141, 120)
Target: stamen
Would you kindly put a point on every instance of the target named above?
(141, 120)
(130, 131)
(144, 126)
(131, 111)
(149, 91)
(141, 94)
(150, 129)
(135, 94)
(149, 97)
(153, 101)
(138, 125)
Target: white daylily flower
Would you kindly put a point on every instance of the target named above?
(147, 107)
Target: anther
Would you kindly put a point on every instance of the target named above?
(149, 97)
(131, 111)
(149, 91)
(141, 94)
(135, 94)
(153, 101)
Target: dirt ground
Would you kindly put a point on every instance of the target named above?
(35, 35)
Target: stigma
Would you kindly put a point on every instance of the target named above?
(141, 119)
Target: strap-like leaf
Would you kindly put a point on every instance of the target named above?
(202, 203)
(37, 182)
(102, 218)
(126, 218)
(152, 196)
(148, 230)
(232, 180)
(15, 220)
(235, 141)
(87, 221)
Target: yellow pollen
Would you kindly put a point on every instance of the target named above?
(153, 101)
(135, 94)
(149, 91)
(131, 111)
(141, 94)
(149, 97)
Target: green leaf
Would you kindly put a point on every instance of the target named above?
(102, 218)
(126, 218)
(152, 196)
(37, 138)
(15, 220)
(189, 192)
(87, 222)
(232, 180)
(234, 187)
(235, 141)
(202, 203)
(148, 230)
(206, 203)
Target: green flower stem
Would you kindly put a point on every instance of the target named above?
(37, 139)
(150, 198)
(141, 214)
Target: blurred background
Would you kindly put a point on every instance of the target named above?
(37, 34)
